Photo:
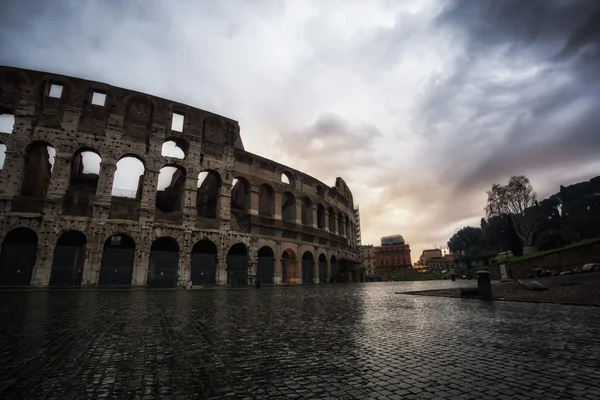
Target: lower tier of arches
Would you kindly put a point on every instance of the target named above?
(73, 253)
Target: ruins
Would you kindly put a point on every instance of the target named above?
(222, 216)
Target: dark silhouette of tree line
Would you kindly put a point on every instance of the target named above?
(516, 219)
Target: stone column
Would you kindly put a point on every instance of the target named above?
(11, 174)
(298, 219)
(148, 201)
(224, 204)
(315, 217)
(59, 180)
(316, 271)
(91, 265)
(141, 265)
(221, 275)
(184, 270)
(43, 264)
(326, 220)
(104, 189)
(278, 204)
(254, 200)
(189, 201)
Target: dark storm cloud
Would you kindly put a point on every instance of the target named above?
(518, 124)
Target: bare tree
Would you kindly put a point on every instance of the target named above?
(518, 200)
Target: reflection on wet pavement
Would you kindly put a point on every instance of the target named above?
(335, 341)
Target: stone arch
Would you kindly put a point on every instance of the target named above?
(332, 221)
(17, 258)
(83, 182)
(322, 268)
(237, 265)
(39, 162)
(320, 191)
(240, 194)
(68, 259)
(307, 211)
(289, 269)
(207, 197)
(164, 262)
(320, 216)
(308, 267)
(288, 207)
(175, 147)
(335, 269)
(128, 180)
(266, 201)
(204, 263)
(266, 265)
(118, 257)
(170, 189)
(288, 178)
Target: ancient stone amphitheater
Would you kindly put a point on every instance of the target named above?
(106, 186)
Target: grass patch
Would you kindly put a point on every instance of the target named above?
(534, 253)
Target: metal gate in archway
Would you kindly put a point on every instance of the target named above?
(16, 263)
(266, 269)
(308, 272)
(322, 271)
(237, 269)
(204, 269)
(116, 267)
(163, 268)
(67, 266)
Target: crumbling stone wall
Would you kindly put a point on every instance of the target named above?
(132, 123)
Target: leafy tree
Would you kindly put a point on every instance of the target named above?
(514, 240)
(518, 200)
(465, 244)
(550, 239)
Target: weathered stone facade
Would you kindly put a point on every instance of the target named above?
(82, 232)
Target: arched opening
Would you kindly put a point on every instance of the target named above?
(17, 258)
(204, 263)
(287, 178)
(320, 191)
(341, 230)
(307, 211)
(118, 256)
(322, 268)
(240, 194)
(175, 147)
(170, 189)
(288, 207)
(332, 221)
(39, 162)
(266, 264)
(335, 270)
(69, 256)
(266, 201)
(83, 183)
(164, 262)
(320, 216)
(237, 265)
(308, 268)
(289, 272)
(7, 121)
(207, 197)
(129, 178)
(2, 154)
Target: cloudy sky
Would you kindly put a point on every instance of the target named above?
(420, 105)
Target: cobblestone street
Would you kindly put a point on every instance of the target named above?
(346, 341)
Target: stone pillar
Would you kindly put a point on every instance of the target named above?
(316, 271)
(189, 201)
(278, 204)
(221, 275)
(104, 189)
(184, 270)
(326, 222)
(91, 265)
(254, 200)
(148, 201)
(61, 173)
(315, 217)
(43, 263)
(224, 204)
(11, 174)
(298, 219)
(141, 265)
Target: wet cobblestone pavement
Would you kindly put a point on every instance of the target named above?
(348, 341)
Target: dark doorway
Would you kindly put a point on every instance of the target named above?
(204, 263)
(116, 267)
(69, 256)
(322, 268)
(288, 267)
(308, 268)
(237, 265)
(266, 264)
(18, 257)
(164, 262)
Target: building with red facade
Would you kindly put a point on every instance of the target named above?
(392, 256)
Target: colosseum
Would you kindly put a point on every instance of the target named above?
(103, 186)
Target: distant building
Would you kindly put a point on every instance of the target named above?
(435, 259)
(392, 256)
(368, 258)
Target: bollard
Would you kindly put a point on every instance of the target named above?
(484, 284)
